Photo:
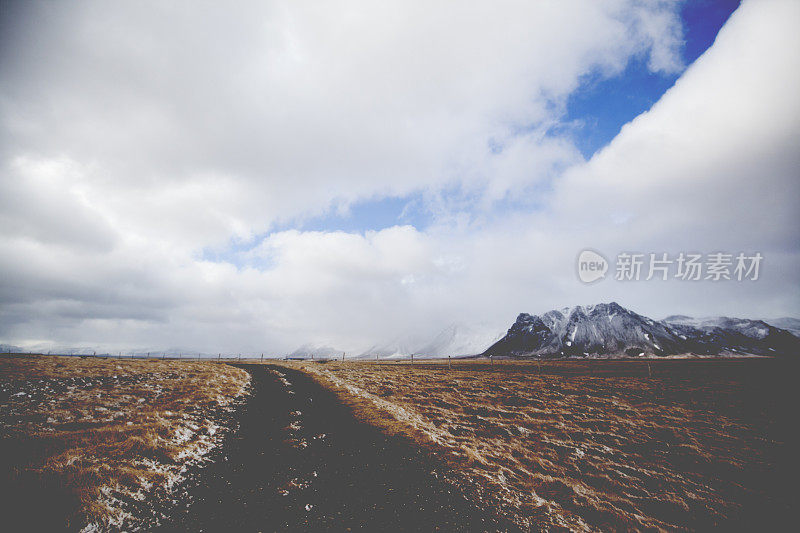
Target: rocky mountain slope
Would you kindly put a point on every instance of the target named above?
(611, 330)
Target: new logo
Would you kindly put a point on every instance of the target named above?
(591, 266)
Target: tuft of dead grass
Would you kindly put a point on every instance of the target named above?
(100, 434)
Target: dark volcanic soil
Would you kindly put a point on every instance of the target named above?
(300, 462)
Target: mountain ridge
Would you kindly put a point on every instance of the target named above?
(609, 329)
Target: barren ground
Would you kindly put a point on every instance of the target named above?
(598, 445)
(580, 445)
(84, 441)
(300, 461)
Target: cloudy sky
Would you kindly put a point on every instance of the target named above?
(255, 176)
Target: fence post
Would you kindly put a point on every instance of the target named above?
(262, 357)
(343, 356)
(448, 362)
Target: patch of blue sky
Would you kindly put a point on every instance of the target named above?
(595, 113)
(601, 106)
(371, 215)
(360, 217)
(234, 252)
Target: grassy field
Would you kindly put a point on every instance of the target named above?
(82, 440)
(581, 445)
(601, 445)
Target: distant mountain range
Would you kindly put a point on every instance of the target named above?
(604, 330)
(456, 340)
(10, 348)
(65, 349)
(320, 351)
(460, 339)
(611, 330)
(792, 325)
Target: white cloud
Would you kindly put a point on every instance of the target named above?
(239, 118)
(136, 136)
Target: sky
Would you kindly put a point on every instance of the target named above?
(257, 177)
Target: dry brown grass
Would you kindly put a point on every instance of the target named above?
(596, 446)
(99, 434)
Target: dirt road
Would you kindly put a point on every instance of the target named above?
(301, 462)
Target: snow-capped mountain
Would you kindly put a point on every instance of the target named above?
(395, 349)
(61, 349)
(457, 339)
(610, 329)
(10, 348)
(714, 335)
(792, 325)
(316, 350)
(460, 339)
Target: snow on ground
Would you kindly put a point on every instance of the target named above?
(136, 426)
